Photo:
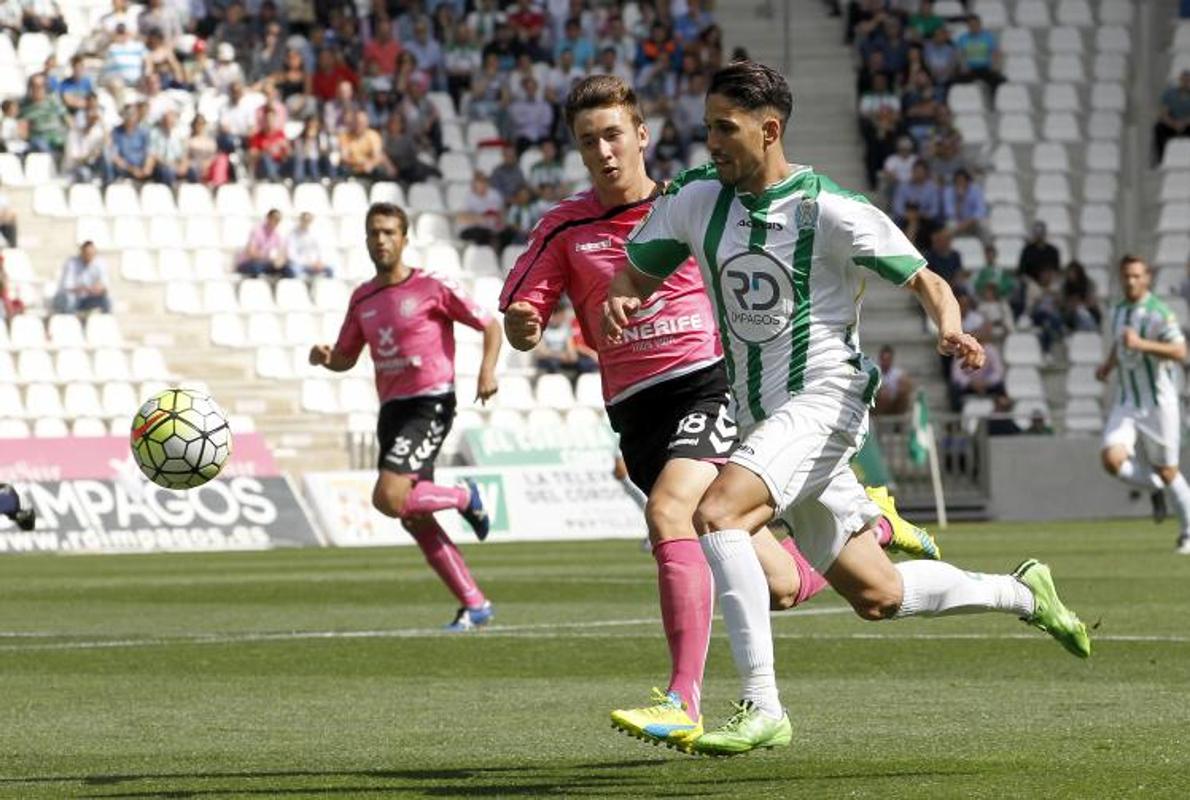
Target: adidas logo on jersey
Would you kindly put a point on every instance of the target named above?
(587, 247)
(748, 222)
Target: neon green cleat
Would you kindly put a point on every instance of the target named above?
(1049, 614)
(665, 722)
(907, 538)
(748, 729)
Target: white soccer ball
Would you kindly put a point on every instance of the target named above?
(180, 438)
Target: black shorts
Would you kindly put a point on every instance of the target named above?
(410, 432)
(685, 417)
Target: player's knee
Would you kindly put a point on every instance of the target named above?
(781, 600)
(1111, 462)
(389, 501)
(415, 523)
(716, 512)
(1167, 474)
(667, 517)
(876, 603)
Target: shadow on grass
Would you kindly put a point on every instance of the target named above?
(635, 778)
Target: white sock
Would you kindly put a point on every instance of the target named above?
(1140, 474)
(1180, 490)
(935, 588)
(633, 491)
(744, 602)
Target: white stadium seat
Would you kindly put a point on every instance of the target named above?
(544, 419)
(1110, 67)
(1084, 347)
(166, 231)
(43, 400)
(121, 199)
(292, 295)
(1098, 219)
(554, 391)
(330, 294)
(65, 330)
(111, 363)
(1017, 41)
(1075, 13)
(1172, 250)
(301, 328)
(1032, 14)
(311, 197)
(1061, 127)
(349, 199)
(156, 200)
(80, 400)
(1177, 155)
(86, 427)
(73, 364)
(227, 330)
(1094, 250)
(1083, 415)
(1016, 128)
(1022, 350)
(318, 395)
(1113, 39)
(1013, 98)
(515, 393)
(431, 227)
(26, 331)
(128, 232)
(1060, 97)
(1175, 186)
(232, 200)
(118, 398)
(1023, 383)
(1103, 156)
(1050, 156)
(387, 192)
(264, 328)
(1108, 96)
(1056, 219)
(149, 365)
(480, 261)
(50, 428)
(11, 404)
(1067, 68)
(255, 295)
(86, 200)
(270, 196)
(1104, 124)
(219, 296)
(194, 199)
(425, 197)
(1052, 187)
(1174, 218)
(35, 366)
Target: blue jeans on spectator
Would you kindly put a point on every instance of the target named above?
(40, 144)
(311, 169)
(101, 167)
(1049, 327)
(165, 174)
(268, 169)
(256, 267)
(297, 269)
(70, 303)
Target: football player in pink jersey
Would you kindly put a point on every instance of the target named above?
(406, 318)
(665, 387)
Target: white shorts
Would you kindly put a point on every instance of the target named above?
(803, 453)
(1161, 427)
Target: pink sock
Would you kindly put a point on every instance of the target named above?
(426, 498)
(447, 561)
(684, 582)
(883, 531)
(810, 582)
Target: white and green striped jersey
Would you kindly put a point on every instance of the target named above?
(786, 270)
(1145, 381)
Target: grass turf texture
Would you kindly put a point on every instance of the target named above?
(177, 676)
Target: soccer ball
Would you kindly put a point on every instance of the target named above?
(180, 438)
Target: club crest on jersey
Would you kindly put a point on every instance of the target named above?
(805, 214)
(408, 306)
(758, 296)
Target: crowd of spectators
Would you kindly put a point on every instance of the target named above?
(314, 90)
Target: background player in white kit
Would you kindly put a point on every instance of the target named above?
(784, 254)
(1147, 346)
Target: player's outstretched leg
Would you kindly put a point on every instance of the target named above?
(445, 559)
(1179, 490)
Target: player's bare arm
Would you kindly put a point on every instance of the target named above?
(323, 355)
(1104, 370)
(487, 385)
(522, 326)
(627, 289)
(1174, 351)
(938, 300)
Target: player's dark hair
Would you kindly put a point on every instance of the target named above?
(754, 86)
(1128, 258)
(388, 210)
(601, 91)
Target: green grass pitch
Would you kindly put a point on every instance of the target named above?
(317, 674)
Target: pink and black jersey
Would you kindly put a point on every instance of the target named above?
(409, 330)
(576, 248)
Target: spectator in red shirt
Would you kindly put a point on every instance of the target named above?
(382, 49)
(268, 149)
(527, 20)
(330, 73)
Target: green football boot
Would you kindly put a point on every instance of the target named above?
(1049, 614)
(748, 729)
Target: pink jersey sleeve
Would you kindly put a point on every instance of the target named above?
(351, 339)
(539, 275)
(461, 308)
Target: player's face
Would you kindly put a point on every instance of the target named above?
(736, 139)
(612, 147)
(386, 240)
(1134, 277)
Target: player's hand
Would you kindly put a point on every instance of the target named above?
(963, 346)
(616, 311)
(1131, 339)
(1101, 372)
(522, 324)
(486, 386)
(320, 355)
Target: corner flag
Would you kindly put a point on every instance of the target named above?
(920, 433)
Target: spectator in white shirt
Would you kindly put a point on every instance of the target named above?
(532, 118)
(125, 60)
(83, 284)
(482, 218)
(898, 167)
(85, 156)
(304, 252)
